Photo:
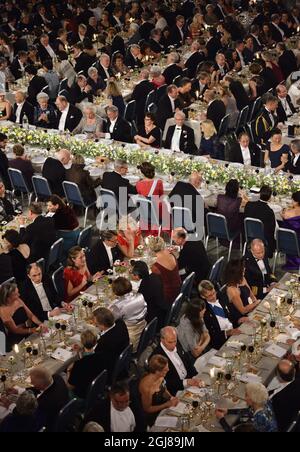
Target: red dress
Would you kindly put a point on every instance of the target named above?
(73, 275)
(143, 188)
(123, 241)
(171, 281)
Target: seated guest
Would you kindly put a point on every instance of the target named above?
(181, 372)
(95, 81)
(130, 307)
(118, 65)
(6, 271)
(267, 120)
(81, 91)
(45, 50)
(217, 316)
(216, 109)
(104, 69)
(157, 79)
(230, 103)
(82, 60)
(167, 106)
(291, 219)
(180, 137)
(166, 267)
(173, 68)
(39, 235)
(244, 151)
(260, 411)
(117, 128)
(15, 315)
(91, 124)
(192, 256)
(55, 172)
(22, 163)
(22, 107)
(104, 252)
(65, 221)
(129, 236)
(76, 274)
(82, 178)
(18, 252)
(119, 412)
(39, 293)
(151, 287)
(69, 116)
(140, 93)
(45, 115)
(190, 190)
(149, 134)
(275, 149)
(113, 340)
(263, 212)
(5, 107)
(17, 67)
(287, 60)
(286, 396)
(258, 271)
(116, 181)
(240, 297)
(25, 416)
(285, 108)
(52, 394)
(293, 165)
(209, 144)
(192, 332)
(134, 57)
(52, 79)
(36, 84)
(10, 206)
(185, 97)
(114, 94)
(154, 395)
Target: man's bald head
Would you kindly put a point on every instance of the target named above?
(258, 249)
(168, 337)
(64, 156)
(285, 370)
(41, 378)
(195, 179)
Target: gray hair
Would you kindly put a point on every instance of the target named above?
(42, 96)
(93, 427)
(134, 26)
(112, 109)
(135, 46)
(155, 70)
(91, 70)
(119, 163)
(257, 242)
(90, 106)
(43, 376)
(167, 329)
(205, 285)
(104, 55)
(26, 404)
(21, 92)
(180, 113)
(174, 57)
(257, 393)
(296, 144)
(6, 290)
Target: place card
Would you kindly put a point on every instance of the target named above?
(234, 344)
(276, 351)
(217, 361)
(89, 297)
(250, 378)
(63, 317)
(61, 354)
(179, 409)
(166, 421)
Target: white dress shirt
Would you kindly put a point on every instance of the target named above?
(50, 51)
(106, 71)
(224, 324)
(111, 129)
(263, 270)
(286, 106)
(241, 58)
(63, 118)
(296, 159)
(175, 146)
(18, 112)
(177, 363)
(121, 421)
(42, 296)
(109, 254)
(172, 103)
(246, 156)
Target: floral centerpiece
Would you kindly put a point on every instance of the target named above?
(121, 267)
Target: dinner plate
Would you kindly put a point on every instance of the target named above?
(95, 172)
(39, 160)
(236, 165)
(205, 193)
(10, 155)
(276, 208)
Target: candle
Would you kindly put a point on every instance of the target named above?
(95, 37)
(197, 94)
(257, 55)
(298, 29)
(278, 302)
(16, 349)
(131, 20)
(212, 373)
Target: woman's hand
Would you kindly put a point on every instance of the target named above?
(172, 402)
(97, 276)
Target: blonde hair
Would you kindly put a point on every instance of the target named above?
(157, 363)
(78, 160)
(126, 222)
(88, 339)
(257, 393)
(208, 128)
(113, 89)
(156, 244)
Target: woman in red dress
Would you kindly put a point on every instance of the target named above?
(129, 236)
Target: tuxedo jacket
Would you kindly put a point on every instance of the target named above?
(187, 139)
(102, 72)
(212, 47)
(176, 38)
(287, 63)
(276, 35)
(262, 211)
(155, 46)
(114, 181)
(43, 53)
(55, 173)
(216, 112)
(291, 168)
(183, 189)
(83, 63)
(74, 117)
(239, 93)
(98, 259)
(145, 30)
(192, 63)
(132, 62)
(256, 280)
(235, 154)
(153, 292)
(286, 405)
(171, 72)
(217, 336)
(281, 114)
(264, 127)
(4, 169)
(78, 96)
(35, 87)
(173, 382)
(257, 46)
(32, 300)
(27, 110)
(165, 111)
(140, 94)
(15, 69)
(193, 258)
(121, 131)
(39, 236)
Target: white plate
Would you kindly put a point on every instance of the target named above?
(236, 165)
(205, 193)
(38, 160)
(95, 172)
(11, 156)
(276, 208)
(81, 136)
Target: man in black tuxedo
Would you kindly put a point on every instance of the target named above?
(258, 271)
(54, 171)
(134, 57)
(113, 340)
(173, 69)
(104, 253)
(191, 190)
(285, 397)
(52, 394)
(69, 116)
(116, 127)
(293, 165)
(123, 401)
(39, 294)
(217, 317)
(4, 161)
(167, 105)
(194, 60)
(146, 27)
(36, 84)
(180, 137)
(178, 35)
(155, 41)
(181, 372)
(243, 151)
(39, 235)
(285, 105)
(267, 120)
(22, 108)
(262, 211)
(216, 109)
(83, 61)
(17, 67)
(104, 69)
(45, 50)
(192, 257)
(254, 33)
(81, 91)
(287, 60)
(140, 93)
(276, 32)
(213, 44)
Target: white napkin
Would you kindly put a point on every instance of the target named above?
(275, 350)
(166, 421)
(61, 354)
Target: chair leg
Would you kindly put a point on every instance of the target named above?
(275, 260)
(85, 217)
(206, 242)
(230, 249)
(244, 249)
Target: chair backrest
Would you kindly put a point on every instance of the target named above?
(41, 187)
(253, 112)
(147, 336)
(73, 194)
(223, 129)
(9, 281)
(150, 99)
(294, 424)
(173, 314)
(85, 237)
(187, 286)
(182, 218)
(217, 226)
(152, 108)
(287, 242)
(122, 365)
(177, 80)
(58, 282)
(242, 119)
(17, 180)
(147, 211)
(216, 271)
(55, 254)
(161, 91)
(96, 390)
(130, 111)
(107, 200)
(254, 229)
(41, 262)
(67, 417)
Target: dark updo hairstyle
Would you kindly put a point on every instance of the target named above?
(296, 197)
(234, 272)
(13, 237)
(148, 170)
(232, 188)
